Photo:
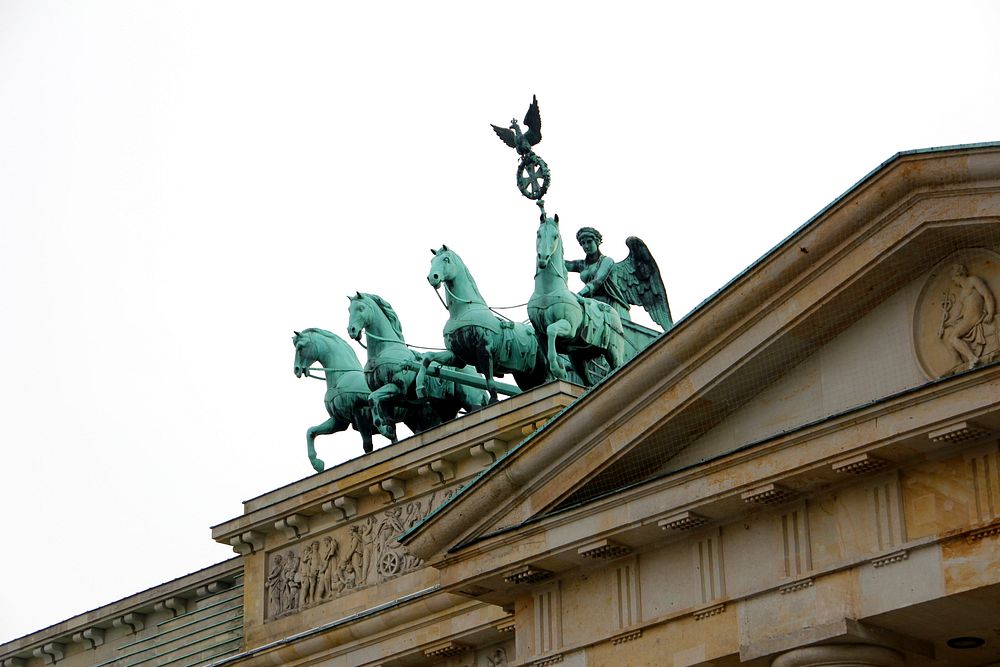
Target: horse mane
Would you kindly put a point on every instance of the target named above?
(465, 270)
(388, 311)
(335, 340)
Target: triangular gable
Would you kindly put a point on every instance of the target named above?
(890, 229)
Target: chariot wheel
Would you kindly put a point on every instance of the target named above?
(533, 176)
(388, 564)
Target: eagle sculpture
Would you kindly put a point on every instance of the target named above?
(523, 141)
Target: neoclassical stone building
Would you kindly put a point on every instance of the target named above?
(804, 471)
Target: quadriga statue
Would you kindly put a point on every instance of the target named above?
(391, 372)
(474, 335)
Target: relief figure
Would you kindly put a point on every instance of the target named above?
(965, 318)
(275, 584)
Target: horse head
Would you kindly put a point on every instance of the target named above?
(304, 355)
(443, 266)
(548, 241)
(360, 316)
(373, 313)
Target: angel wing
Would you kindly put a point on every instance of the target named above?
(638, 279)
(505, 134)
(533, 121)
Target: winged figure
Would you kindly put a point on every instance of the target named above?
(523, 141)
(635, 281)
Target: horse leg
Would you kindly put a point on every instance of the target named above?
(484, 364)
(366, 428)
(558, 329)
(445, 358)
(580, 366)
(331, 425)
(384, 425)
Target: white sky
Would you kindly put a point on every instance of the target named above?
(182, 184)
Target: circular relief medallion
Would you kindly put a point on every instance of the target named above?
(955, 327)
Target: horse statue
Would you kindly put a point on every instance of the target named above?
(474, 335)
(347, 392)
(582, 328)
(391, 372)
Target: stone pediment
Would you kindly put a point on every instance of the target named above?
(858, 293)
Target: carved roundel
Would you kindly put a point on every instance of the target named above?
(954, 327)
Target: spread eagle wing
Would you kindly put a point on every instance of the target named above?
(505, 134)
(638, 278)
(533, 121)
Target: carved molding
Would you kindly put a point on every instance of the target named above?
(795, 540)
(682, 521)
(51, 653)
(603, 549)
(527, 574)
(14, 662)
(796, 586)
(91, 637)
(982, 533)
(441, 469)
(491, 450)
(507, 625)
(859, 465)
(964, 431)
(293, 526)
(133, 621)
(705, 612)
(212, 588)
(446, 649)
(247, 543)
(626, 637)
(176, 606)
(344, 507)
(768, 494)
(391, 488)
(551, 660)
(889, 559)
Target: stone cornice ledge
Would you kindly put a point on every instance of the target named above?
(670, 356)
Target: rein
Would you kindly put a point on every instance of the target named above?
(394, 340)
(467, 302)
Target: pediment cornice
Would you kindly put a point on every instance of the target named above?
(810, 287)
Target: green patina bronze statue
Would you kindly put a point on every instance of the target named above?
(533, 175)
(391, 372)
(474, 335)
(347, 391)
(581, 327)
(635, 281)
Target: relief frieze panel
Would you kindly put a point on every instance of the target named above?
(364, 553)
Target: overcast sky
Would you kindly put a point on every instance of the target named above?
(182, 184)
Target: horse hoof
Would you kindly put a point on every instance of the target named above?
(318, 465)
(368, 447)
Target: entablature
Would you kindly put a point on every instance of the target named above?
(898, 432)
